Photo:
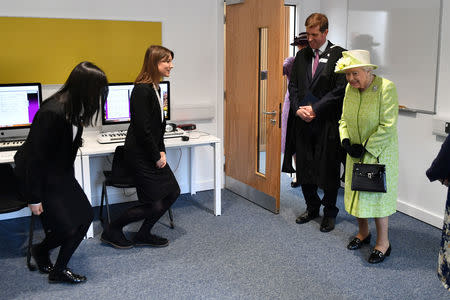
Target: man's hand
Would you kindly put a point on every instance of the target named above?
(161, 163)
(306, 113)
(36, 209)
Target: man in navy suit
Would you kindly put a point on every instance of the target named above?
(316, 94)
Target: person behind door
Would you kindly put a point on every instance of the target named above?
(316, 94)
(440, 170)
(288, 116)
(368, 131)
(156, 186)
(44, 168)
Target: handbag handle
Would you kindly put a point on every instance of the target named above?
(360, 159)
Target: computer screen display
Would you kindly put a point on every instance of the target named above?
(117, 105)
(19, 104)
(164, 87)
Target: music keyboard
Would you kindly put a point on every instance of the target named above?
(11, 145)
(119, 136)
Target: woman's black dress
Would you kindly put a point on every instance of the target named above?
(143, 144)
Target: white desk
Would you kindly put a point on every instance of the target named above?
(92, 148)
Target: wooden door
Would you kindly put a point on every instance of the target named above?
(255, 46)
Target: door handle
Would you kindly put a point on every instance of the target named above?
(270, 113)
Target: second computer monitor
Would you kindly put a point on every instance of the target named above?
(116, 111)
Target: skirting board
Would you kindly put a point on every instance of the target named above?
(420, 214)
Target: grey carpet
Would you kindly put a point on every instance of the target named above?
(247, 253)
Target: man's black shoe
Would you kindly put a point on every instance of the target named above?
(327, 224)
(306, 217)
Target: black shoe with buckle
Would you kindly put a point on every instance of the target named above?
(149, 239)
(42, 260)
(65, 276)
(327, 224)
(356, 243)
(306, 217)
(377, 256)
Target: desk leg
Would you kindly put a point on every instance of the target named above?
(217, 179)
(192, 170)
(87, 188)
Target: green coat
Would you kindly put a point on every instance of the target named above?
(372, 115)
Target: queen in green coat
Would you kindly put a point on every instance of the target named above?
(368, 132)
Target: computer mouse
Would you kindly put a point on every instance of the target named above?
(185, 138)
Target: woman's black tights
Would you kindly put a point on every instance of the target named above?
(150, 212)
(69, 242)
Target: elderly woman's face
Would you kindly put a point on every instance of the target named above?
(358, 78)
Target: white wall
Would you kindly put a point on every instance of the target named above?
(194, 31)
(417, 145)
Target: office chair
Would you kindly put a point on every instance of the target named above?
(120, 178)
(11, 201)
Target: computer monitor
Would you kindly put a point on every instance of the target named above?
(116, 111)
(165, 96)
(19, 103)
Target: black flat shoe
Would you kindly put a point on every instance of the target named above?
(116, 238)
(377, 256)
(327, 224)
(295, 184)
(356, 243)
(306, 217)
(43, 262)
(66, 276)
(150, 240)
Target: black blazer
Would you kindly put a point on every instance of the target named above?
(317, 143)
(146, 132)
(44, 167)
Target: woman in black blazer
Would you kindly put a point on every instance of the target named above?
(44, 168)
(156, 186)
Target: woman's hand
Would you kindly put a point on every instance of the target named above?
(36, 209)
(161, 163)
(355, 150)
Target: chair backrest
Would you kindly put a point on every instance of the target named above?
(120, 173)
(10, 199)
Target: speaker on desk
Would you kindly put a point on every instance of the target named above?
(171, 127)
(187, 126)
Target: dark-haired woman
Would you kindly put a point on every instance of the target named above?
(44, 168)
(156, 186)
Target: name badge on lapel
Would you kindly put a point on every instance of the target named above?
(323, 60)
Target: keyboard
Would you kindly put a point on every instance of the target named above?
(112, 137)
(11, 145)
(174, 134)
(119, 136)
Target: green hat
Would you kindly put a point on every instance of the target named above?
(353, 59)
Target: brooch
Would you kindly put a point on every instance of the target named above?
(375, 88)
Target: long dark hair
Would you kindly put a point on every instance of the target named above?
(149, 72)
(83, 94)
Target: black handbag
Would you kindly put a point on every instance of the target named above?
(369, 177)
